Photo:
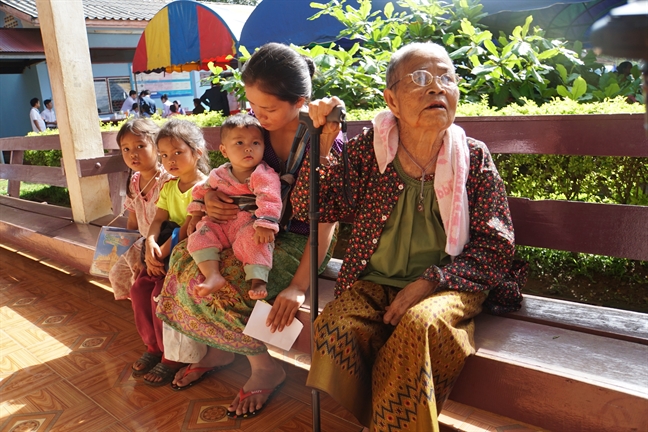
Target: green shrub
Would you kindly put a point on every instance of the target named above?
(503, 68)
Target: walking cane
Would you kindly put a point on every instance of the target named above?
(337, 115)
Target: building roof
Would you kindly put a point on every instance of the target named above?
(118, 10)
(17, 40)
(19, 48)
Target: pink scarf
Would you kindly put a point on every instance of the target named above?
(453, 165)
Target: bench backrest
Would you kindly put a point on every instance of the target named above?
(602, 229)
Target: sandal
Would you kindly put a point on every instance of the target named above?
(243, 396)
(149, 361)
(163, 371)
(206, 372)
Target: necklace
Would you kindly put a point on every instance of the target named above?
(157, 172)
(423, 171)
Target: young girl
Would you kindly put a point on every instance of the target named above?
(250, 236)
(181, 147)
(136, 140)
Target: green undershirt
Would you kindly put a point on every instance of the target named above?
(411, 240)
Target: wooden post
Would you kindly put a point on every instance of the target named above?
(65, 40)
(13, 188)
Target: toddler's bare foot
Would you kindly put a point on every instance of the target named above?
(211, 284)
(258, 290)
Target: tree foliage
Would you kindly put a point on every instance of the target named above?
(505, 68)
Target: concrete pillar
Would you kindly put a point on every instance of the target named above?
(65, 40)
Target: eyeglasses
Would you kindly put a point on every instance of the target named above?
(423, 78)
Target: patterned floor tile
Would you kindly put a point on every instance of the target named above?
(54, 320)
(130, 395)
(34, 422)
(165, 414)
(16, 360)
(98, 378)
(98, 342)
(26, 380)
(209, 415)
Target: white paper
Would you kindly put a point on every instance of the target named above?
(256, 328)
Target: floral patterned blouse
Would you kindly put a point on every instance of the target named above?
(486, 262)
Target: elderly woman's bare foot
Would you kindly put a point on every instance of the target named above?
(266, 375)
(212, 359)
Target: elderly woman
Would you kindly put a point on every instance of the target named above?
(432, 241)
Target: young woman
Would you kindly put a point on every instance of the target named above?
(277, 84)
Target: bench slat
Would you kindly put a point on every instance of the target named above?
(604, 321)
(555, 378)
(34, 174)
(602, 229)
(585, 135)
(45, 142)
(37, 208)
(107, 165)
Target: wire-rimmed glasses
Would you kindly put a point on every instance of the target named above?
(423, 78)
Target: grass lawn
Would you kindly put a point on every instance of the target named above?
(40, 193)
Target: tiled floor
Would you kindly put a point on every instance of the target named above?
(66, 349)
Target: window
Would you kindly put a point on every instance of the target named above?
(111, 93)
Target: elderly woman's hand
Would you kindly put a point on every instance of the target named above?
(220, 207)
(412, 294)
(318, 110)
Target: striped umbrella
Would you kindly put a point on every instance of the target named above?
(186, 35)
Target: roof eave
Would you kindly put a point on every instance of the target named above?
(107, 23)
(18, 14)
(90, 22)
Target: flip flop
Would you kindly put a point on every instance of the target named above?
(243, 396)
(164, 372)
(149, 361)
(206, 372)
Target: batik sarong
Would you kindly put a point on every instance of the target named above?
(393, 378)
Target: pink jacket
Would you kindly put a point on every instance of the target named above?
(263, 183)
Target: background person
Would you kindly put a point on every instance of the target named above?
(134, 112)
(429, 245)
(37, 122)
(48, 114)
(146, 105)
(127, 106)
(166, 104)
(198, 107)
(179, 108)
(624, 69)
(216, 99)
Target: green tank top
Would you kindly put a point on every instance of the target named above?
(411, 240)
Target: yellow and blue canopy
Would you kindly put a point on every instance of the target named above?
(185, 35)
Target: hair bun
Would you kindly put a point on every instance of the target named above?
(311, 65)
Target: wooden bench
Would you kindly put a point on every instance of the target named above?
(557, 365)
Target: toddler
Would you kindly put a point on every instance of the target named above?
(250, 235)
